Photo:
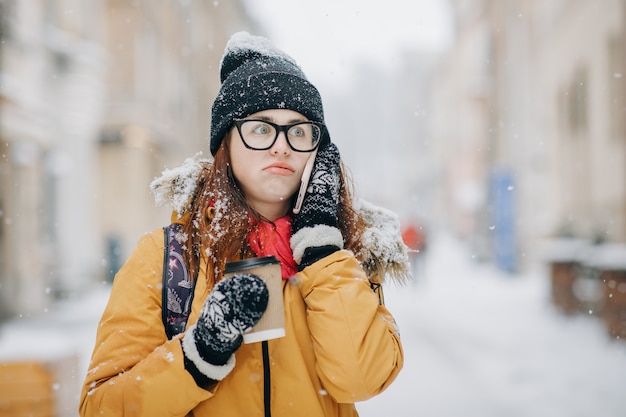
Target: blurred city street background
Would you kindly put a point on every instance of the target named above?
(496, 130)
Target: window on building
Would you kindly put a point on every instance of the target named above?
(577, 102)
(617, 86)
(6, 16)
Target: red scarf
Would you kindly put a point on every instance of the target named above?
(269, 239)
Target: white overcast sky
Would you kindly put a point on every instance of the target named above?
(327, 37)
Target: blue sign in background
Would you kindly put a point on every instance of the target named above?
(502, 203)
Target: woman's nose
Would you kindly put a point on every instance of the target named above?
(281, 145)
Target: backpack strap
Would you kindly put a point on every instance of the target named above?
(178, 288)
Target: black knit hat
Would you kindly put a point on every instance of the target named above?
(257, 76)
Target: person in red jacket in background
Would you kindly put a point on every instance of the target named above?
(414, 236)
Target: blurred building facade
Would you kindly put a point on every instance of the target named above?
(162, 78)
(529, 113)
(96, 99)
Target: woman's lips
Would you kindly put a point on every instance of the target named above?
(280, 169)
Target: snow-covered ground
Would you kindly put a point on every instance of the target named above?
(477, 343)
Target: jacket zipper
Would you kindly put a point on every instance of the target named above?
(266, 379)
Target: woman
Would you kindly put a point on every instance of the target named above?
(341, 344)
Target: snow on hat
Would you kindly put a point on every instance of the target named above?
(257, 76)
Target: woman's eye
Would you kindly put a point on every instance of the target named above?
(262, 130)
(297, 132)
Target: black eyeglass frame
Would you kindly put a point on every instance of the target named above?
(280, 128)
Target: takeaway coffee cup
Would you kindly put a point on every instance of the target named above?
(272, 323)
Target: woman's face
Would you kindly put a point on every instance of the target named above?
(268, 178)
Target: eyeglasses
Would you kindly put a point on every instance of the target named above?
(260, 135)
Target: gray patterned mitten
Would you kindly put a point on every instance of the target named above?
(315, 233)
(233, 307)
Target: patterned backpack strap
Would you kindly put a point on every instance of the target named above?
(177, 285)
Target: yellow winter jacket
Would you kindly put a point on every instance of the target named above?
(341, 346)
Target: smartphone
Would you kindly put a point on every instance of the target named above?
(304, 182)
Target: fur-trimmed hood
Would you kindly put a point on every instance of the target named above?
(383, 253)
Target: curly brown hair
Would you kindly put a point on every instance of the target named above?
(220, 218)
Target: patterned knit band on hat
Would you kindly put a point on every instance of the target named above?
(257, 76)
